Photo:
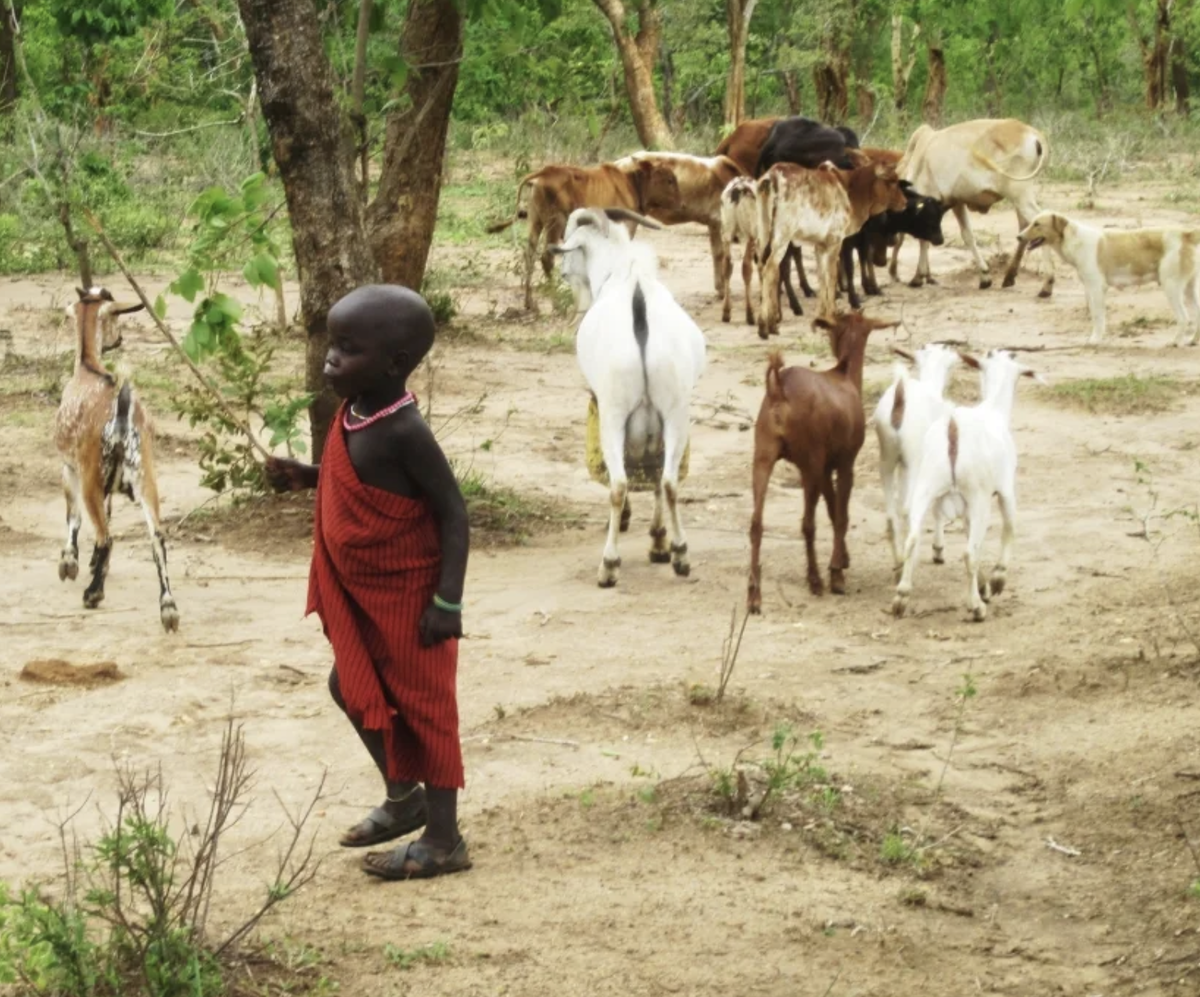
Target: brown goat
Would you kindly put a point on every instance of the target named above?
(105, 437)
(815, 420)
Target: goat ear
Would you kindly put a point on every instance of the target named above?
(823, 323)
(904, 353)
(81, 292)
(969, 360)
(125, 307)
(1030, 372)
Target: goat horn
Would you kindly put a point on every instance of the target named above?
(625, 215)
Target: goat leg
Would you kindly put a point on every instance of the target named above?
(809, 528)
(68, 564)
(660, 550)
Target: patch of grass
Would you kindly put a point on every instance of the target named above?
(1129, 394)
(895, 850)
(1193, 891)
(434, 953)
(1141, 323)
(500, 514)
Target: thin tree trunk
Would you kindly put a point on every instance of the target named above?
(1154, 51)
(830, 82)
(935, 87)
(314, 152)
(637, 59)
(401, 218)
(1179, 77)
(738, 15)
(358, 90)
(668, 85)
(791, 85)
(991, 87)
(79, 245)
(901, 69)
(8, 57)
(865, 98)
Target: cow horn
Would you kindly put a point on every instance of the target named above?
(625, 215)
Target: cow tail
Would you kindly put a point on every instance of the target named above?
(517, 212)
(766, 216)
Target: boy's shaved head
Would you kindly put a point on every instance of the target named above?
(397, 318)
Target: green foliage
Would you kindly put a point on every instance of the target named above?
(434, 953)
(100, 21)
(1127, 394)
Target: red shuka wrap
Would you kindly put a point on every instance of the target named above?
(375, 567)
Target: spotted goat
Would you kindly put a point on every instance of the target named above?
(105, 437)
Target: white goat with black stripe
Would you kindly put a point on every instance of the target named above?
(641, 355)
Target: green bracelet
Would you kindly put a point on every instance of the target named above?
(446, 607)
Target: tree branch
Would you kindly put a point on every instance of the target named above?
(193, 128)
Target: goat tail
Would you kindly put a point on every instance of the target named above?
(898, 402)
(518, 212)
(774, 369)
(952, 450)
(121, 414)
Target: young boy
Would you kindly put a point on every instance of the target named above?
(389, 557)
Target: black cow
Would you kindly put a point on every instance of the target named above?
(921, 218)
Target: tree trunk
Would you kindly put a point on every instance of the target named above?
(667, 61)
(315, 155)
(8, 57)
(830, 82)
(358, 90)
(403, 214)
(791, 84)
(901, 69)
(935, 87)
(1179, 77)
(866, 100)
(994, 100)
(637, 59)
(1155, 49)
(738, 14)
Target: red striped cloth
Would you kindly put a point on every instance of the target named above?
(375, 567)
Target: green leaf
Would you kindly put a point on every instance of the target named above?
(228, 306)
(188, 284)
(160, 306)
(397, 69)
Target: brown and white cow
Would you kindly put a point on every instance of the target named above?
(821, 207)
(970, 167)
(700, 179)
(556, 191)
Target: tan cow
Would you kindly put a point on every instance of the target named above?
(701, 180)
(970, 167)
(556, 191)
(821, 207)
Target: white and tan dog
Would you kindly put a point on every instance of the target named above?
(1113, 258)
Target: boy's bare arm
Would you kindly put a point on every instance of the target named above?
(427, 467)
(290, 475)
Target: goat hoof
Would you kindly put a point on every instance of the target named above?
(754, 604)
(939, 555)
(725, 317)
(899, 606)
(998, 582)
(660, 557)
(916, 282)
(1009, 280)
(170, 617)
(68, 569)
(1045, 292)
(816, 586)
(92, 599)
(837, 582)
(985, 591)
(682, 568)
(979, 614)
(985, 283)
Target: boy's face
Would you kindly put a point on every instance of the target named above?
(358, 361)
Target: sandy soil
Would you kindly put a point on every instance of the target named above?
(574, 700)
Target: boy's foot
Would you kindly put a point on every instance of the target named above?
(417, 860)
(388, 822)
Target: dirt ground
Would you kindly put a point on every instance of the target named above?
(598, 868)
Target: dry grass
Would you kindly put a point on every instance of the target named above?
(1128, 394)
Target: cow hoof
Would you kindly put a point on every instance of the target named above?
(682, 568)
(985, 591)
(1009, 280)
(985, 283)
(92, 598)
(725, 317)
(660, 557)
(916, 282)
(939, 555)
(170, 616)
(979, 614)
(68, 568)
(1045, 292)
(998, 583)
(899, 606)
(763, 332)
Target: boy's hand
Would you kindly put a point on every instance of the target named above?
(286, 475)
(437, 625)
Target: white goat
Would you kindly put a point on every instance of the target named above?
(901, 419)
(739, 225)
(641, 355)
(967, 457)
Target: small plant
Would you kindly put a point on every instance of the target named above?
(1128, 394)
(434, 953)
(1194, 890)
(729, 652)
(894, 850)
(500, 711)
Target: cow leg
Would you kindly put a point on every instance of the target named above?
(535, 235)
(748, 279)
(894, 265)
(964, 223)
(768, 279)
(846, 255)
(804, 285)
(1027, 210)
(827, 267)
(785, 276)
(68, 562)
(725, 290)
(867, 247)
(555, 230)
(719, 255)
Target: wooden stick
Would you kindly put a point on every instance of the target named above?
(162, 327)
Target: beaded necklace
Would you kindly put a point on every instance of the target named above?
(408, 398)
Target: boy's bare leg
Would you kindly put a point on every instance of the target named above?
(403, 810)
